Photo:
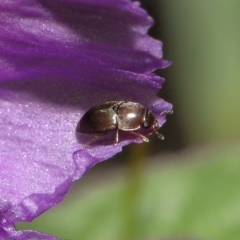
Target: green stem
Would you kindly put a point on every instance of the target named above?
(133, 191)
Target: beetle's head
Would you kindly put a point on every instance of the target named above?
(150, 121)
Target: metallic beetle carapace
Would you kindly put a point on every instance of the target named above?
(118, 116)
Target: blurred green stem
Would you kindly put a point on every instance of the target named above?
(133, 191)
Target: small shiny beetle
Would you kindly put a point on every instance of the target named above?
(118, 116)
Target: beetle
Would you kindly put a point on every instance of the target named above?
(118, 116)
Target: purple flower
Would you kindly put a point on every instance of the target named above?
(58, 58)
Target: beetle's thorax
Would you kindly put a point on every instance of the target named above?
(130, 116)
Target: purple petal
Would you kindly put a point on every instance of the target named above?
(58, 59)
(8, 232)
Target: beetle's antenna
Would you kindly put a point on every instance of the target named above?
(158, 134)
(166, 112)
(155, 130)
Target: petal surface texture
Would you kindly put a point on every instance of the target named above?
(59, 58)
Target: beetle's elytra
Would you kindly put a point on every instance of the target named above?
(118, 116)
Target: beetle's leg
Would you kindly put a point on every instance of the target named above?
(145, 139)
(116, 137)
(95, 138)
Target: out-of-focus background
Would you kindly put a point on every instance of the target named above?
(188, 186)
